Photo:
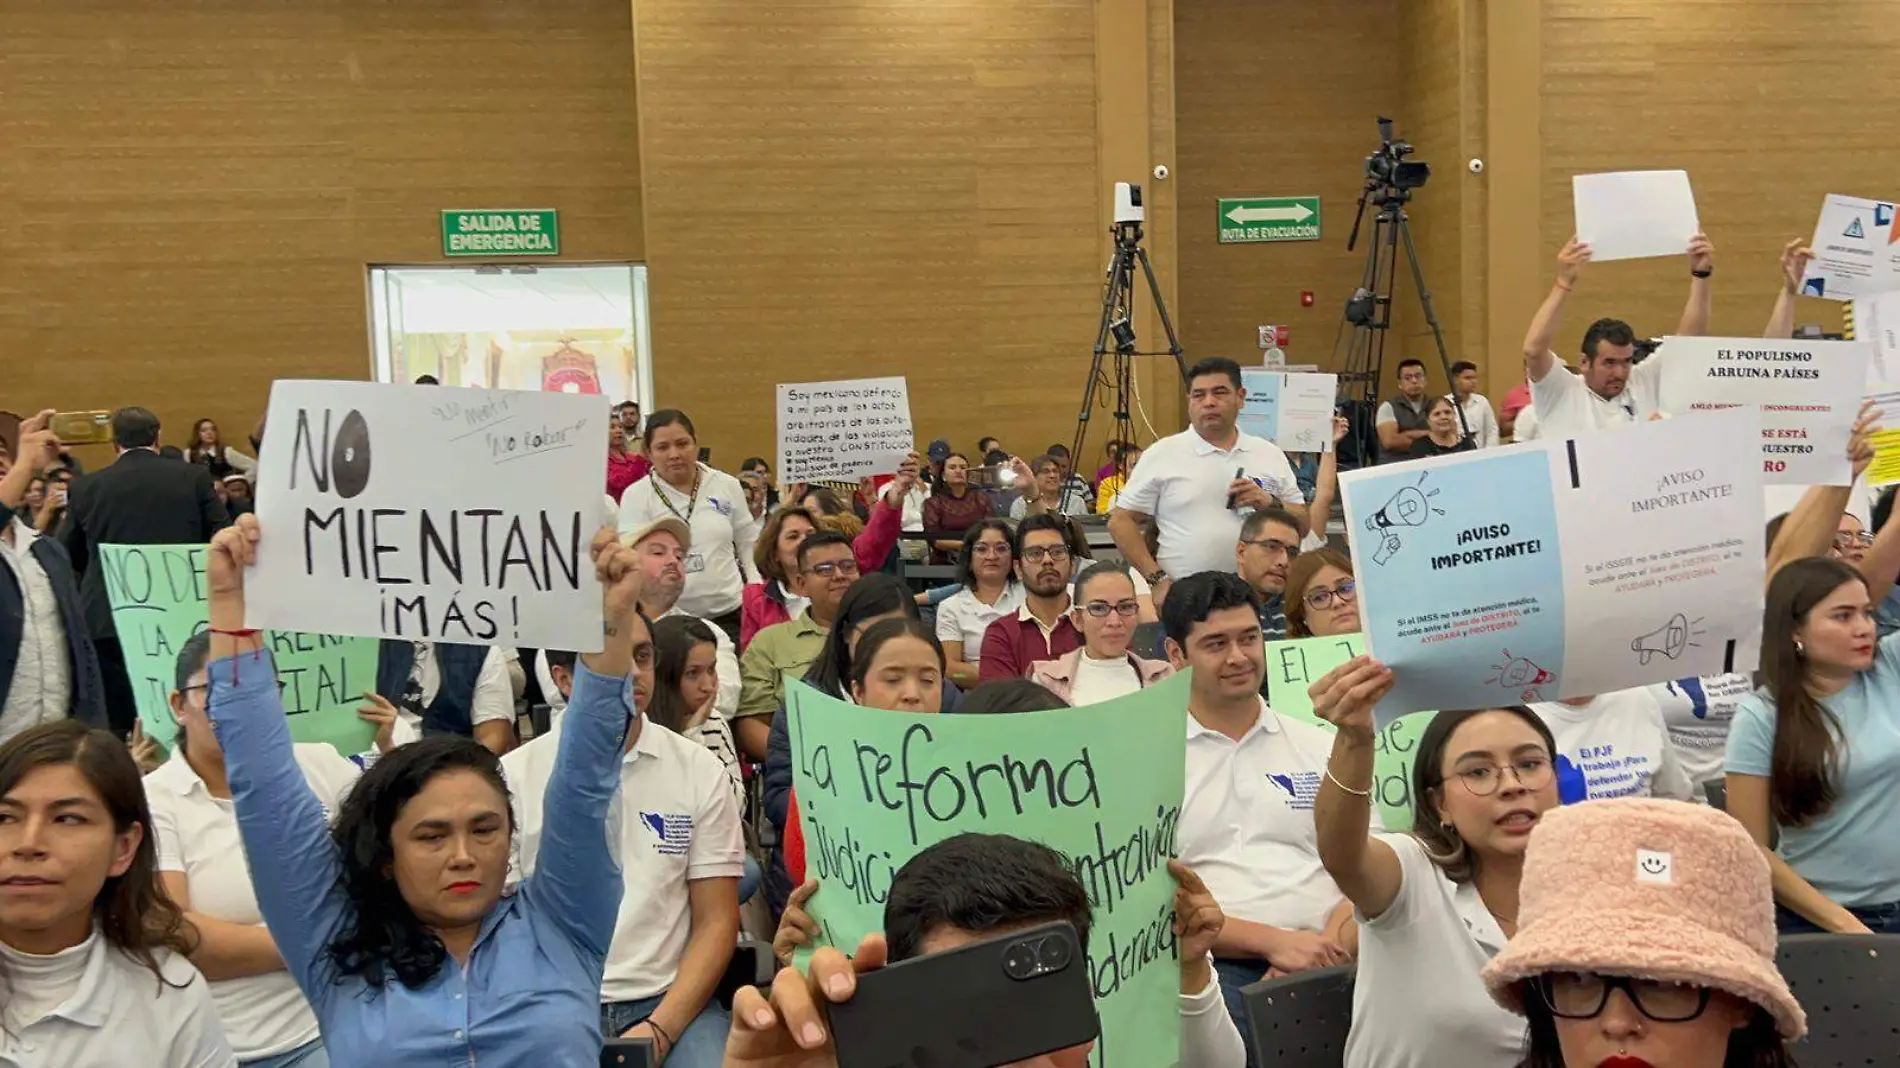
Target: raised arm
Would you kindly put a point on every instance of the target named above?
(294, 865)
(576, 878)
(1695, 314)
(1881, 567)
(1810, 527)
(1326, 482)
(1794, 263)
(1365, 868)
(1538, 341)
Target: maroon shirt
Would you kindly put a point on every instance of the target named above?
(944, 514)
(1015, 641)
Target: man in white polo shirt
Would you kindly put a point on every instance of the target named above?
(1613, 390)
(1200, 484)
(1246, 823)
(676, 830)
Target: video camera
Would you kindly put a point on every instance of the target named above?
(1387, 165)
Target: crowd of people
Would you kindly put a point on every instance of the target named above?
(472, 891)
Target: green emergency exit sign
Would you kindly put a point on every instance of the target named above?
(1250, 220)
(501, 232)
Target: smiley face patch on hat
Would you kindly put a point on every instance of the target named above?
(1653, 866)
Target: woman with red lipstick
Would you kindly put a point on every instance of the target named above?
(393, 922)
(1814, 755)
(92, 953)
(1434, 905)
(1648, 941)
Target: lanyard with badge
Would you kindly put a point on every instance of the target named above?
(694, 562)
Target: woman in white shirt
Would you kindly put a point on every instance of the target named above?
(91, 951)
(1105, 609)
(1433, 905)
(201, 865)
(986, 568)
(712, 504)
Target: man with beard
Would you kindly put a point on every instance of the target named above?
(1269, 540)
(1041, 629)
(662, 546)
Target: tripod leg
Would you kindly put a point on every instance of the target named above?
(1161, 308)
(1431, 317)
(1118, 289)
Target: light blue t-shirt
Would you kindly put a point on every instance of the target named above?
(1852, 853)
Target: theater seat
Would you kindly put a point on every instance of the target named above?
(1147, 642)
(1300, 1021)
(1849, 985)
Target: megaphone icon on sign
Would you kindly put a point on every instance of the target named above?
(1409, 507)
(1518, 671)
(1670, 639)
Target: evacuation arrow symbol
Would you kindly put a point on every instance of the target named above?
(1296, 213)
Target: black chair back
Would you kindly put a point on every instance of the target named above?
(1148, 642)
(1300, 1021)
(1850, 987)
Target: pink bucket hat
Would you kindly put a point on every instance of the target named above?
(1661, 890)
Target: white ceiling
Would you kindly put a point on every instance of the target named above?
(471, 300)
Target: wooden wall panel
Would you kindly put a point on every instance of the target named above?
(1769, 105)
(1276, 97)
(884, 187)
(191, 192)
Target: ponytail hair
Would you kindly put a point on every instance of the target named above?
(1806, 759)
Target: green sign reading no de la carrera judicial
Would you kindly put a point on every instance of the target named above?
(501, 232)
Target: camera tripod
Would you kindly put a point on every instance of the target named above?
(1369, 316)
(1115, 339)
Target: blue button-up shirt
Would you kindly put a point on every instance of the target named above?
(530, 993)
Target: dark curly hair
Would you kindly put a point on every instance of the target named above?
(383, 938)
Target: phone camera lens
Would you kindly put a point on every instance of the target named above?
(1019, 961)
(1053, 955)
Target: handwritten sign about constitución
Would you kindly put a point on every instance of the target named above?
(1293, 666)
(1809, 394)
(157, 593)
(1102, 785)
(417, 512)
(1614, 560)
(846, 429)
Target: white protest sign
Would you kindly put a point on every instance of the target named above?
(842, 430)
(1294, 411)
(1627, 215)
(1809, 393)
(1565, 567)
(1877, 321)
(431, 513)
(1853, 254)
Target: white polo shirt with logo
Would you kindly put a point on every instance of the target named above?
(1182, 482)
(674, 821)
(1247, 821)
(197, 835)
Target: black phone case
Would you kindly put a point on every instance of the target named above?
(962, 1009)
(627, 1053)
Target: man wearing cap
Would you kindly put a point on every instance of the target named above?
(662, 546)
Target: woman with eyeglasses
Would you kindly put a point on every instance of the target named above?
(202, 867)
(1437, 903)
(986, 571)
(1648, 940)
(1106, 611)
(1322, 597)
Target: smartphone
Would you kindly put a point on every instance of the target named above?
(1006, 998)
(82, 428)
(992, 476)
(628, 1053)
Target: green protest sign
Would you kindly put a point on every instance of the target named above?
(157, 593)
(1101, 784)
(1292, 666)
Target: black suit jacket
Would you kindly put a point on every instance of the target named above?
(142, 498)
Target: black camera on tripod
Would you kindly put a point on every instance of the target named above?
(1387, 166)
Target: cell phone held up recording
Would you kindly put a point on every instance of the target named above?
(82, 428)
(1005, 998)
(992, 476)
